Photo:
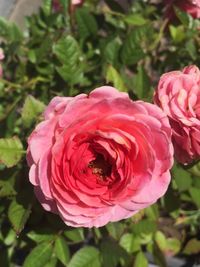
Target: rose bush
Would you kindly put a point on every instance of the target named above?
(100, 157)
(178, 95)
(191, 7)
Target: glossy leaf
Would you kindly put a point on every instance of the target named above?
(85, 257)
(62, 250)
(39, 256)
(11, 151)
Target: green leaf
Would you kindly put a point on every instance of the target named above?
(161, 240)
(152, 212)
(142, 83)
(132, 51)
(184, 17)
(177, 33)
(130, 242)
(10, 31)
(182, 177)
(31, 109)
(86, 23)
(115, 230)
(19, 211)
(112, 253)
(39, 256)
(7, 186)
(195, 194)
(11, 151)
(195, 170)
(65, 4)
(85, 257)
(51, 263)
(62, 250)
(158, 256)
(72, 78)
(113, 76)
(15, 35)
(171, 200)
(10, 238)
(4, 26)
(192, 247)
(68, 52)
(47, 7)
(144, 226)
(173, 246)
(111, 52)
(41, 236)
(135, 19)
(140, 260)
(191, 48)
(75, 235)
(6, 189)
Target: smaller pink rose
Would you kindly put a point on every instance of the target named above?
(76, 2)
(2, 56)
(178, 94)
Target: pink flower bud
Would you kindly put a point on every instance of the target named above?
(2, 56)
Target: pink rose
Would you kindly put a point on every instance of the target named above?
(191, 7)
(2, 56)
(178, 94)
(100, 157)
(76, 2)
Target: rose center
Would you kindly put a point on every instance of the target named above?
(100, 167)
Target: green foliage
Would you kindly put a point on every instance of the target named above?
(140, 260)
(114, 77)
(62, 250)
(31, 109)
(39, 256)
(19, 211)
(192, 247)
(85, 257)
(11, 151)
(68, 52)
(86, 23)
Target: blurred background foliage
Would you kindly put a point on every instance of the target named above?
(63, 53)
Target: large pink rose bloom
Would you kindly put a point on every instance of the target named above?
(100, 158)
(178, 94)
(191, 7)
